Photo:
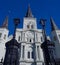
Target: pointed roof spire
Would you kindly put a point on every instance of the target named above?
(53, 25)
(5, 23)
(29, 12)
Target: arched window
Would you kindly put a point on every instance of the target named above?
(28, 54)
(38, 52)
(23, 51)
(32, 53)
(41, 39)
(19, 38)
(27, 26)
(5, 36)
(30, 40)
(0, 35)
(32, 26)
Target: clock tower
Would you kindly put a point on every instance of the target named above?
(29, 20)
(30, 39)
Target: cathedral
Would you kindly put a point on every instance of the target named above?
(28, 35)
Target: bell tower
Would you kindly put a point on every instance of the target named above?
(31, 39)
(29, 20)
(12, 48)
(55, 35)
(3, 37)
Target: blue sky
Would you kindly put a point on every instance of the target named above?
(40, 9)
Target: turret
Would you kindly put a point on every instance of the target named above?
(12, 48)
(3, 37)
(55, 35)
(46, 46)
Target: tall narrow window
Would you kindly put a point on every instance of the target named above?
(23, 51)
(32, 26)
(36, 37)
(0, 35)
(32, 53)
(27, 26)
(27, 40)
(24, 37)
(41, 39)
(30, 40)
(5, 36)
(19, 38)
(38, 51)
(28, 54)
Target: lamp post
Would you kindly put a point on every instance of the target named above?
(12, 47)
(42, 22)
(16, 22)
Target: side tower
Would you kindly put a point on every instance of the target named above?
(55, 34)
(30, 38)
(12, 48)
(3, 37)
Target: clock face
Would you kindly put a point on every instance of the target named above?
(30, 23)
(29, 34)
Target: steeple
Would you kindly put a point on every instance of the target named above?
(5, 23)
(29, 12)
(53, 25)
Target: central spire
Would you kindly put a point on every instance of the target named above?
(29, 12)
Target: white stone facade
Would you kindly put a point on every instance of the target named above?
(56, 41)
(27, 37)
(3, 39)
(30, 39)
